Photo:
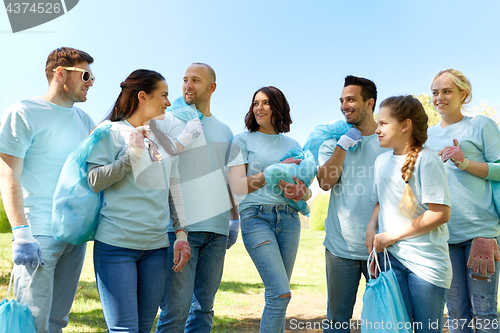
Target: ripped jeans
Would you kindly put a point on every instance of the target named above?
(469, 297)
(271, 236)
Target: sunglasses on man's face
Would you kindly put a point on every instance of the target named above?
(86, 76)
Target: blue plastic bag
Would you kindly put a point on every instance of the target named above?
(14, 316)
(76, 210)
(334, 129)
(305, 172)
(183, 111)
(384, 308)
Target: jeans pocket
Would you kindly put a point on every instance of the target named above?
(249, 213)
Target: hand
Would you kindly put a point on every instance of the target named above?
(482, 253)
(293, 191)
(455, 154)
(350, 139)
(292, 160)
(234, 227)
(182, 251)
(383, 240)
(136, 140)
(369, 238)
(25, 248)
(191, 131)
(373, 270)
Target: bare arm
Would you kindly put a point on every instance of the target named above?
(329, 173)
(371, 229)
(10, 186)
(478, 169)
(233, 212)
(241, 184)
(432, 218)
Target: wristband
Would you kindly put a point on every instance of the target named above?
(20, 226)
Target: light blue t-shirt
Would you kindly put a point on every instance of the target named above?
(260, 150)
(426, 255)
(473, 213)
(351, 206)
(134, 216)
(202, 169)
(43, 134)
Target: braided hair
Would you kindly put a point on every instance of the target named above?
(403, 108)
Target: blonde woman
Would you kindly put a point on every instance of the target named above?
(469, 148)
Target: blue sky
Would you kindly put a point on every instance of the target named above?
(305, 48)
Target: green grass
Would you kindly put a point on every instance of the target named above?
(241, 287)
(4, 222)
(241, 290)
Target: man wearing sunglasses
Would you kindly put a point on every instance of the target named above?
(36, 137)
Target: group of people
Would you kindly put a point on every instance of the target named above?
(176, 184)
(409, 181)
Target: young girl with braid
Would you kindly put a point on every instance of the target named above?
(413, 206)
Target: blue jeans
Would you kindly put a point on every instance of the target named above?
(471, 298)
(342, 279)
(271, 236)
(54, 284)
(424, 301)
(188, 299)
(130, 284)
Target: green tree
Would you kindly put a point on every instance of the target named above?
(319, 210)
(434, 117)
(482, 109)
(486, 110)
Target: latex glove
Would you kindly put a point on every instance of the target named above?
(293, 191)
(25, 248)
(350, 139)
(234, 227)
(455, 154)
(136, 139)
(191, 131)
(482, 253)
(182, 251)
(292, 160)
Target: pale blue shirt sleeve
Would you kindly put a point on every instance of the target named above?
(326, 150)
(16, 133)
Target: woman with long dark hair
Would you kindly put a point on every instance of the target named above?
(136, 167)
(269, 226)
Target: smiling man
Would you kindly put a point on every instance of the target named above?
(36, 137)
(187, 303)
(348, 174)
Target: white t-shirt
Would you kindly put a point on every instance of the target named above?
(202, 169)
(43, 134)
(473, 214)
(426, 255)
(351, 206)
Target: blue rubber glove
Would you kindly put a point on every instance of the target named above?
(350, 139)
(234, 227)
(25, 249)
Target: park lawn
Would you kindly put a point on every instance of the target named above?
(240, 279)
